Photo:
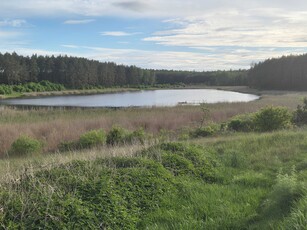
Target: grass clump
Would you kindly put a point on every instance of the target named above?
(25, 145)
(87, 195)
(206, 131)
(92, 138)
(184, 159)
(242, 123)
(118, 135)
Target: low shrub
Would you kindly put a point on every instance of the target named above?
(205, 131)
(243, 123)
(25, 145)
(116, 135)
(137, 136)
(300, 115)
(92, 138)
(272, 118)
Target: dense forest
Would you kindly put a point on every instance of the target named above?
(74, 72)
(285, 73)
(214, 78)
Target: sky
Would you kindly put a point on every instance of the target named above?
(198, 35)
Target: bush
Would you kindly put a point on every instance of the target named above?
(204, 131)
(272, 118)
(137, 136)
(300, 115)
(243, 123)
(92, 138)
(25, 145)
(116, 135)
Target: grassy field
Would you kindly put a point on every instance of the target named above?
(238, 181)
(230, 180)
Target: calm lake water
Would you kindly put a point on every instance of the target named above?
(146, 98)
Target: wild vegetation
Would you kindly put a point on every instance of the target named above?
(209, 78)
(43, 86)
(81, 73)
(285, 73)
(229, 170)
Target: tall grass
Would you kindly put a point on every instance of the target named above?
(53, 126)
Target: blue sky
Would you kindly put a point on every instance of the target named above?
(174, 34)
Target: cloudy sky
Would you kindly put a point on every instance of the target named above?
(161, 34)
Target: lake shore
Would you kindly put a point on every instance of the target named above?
(239, 89)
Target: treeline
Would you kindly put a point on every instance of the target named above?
(285, 73)
(211, 78)
(72, 72)
(79, 73)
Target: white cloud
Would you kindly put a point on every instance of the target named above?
(81, 21)
(9, 34)
(71, 46)
(117, 33)
(13, 23)
(252, 28)
(137, 8)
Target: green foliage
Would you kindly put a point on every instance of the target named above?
(285, 192)
(298, 216)
(117, 135)
(242, 123)
(272, 118)
(85, 195)
(137, 136)
(228, 183)
(92, 138)
(205, 131)
(177, 164)
(42, 86)
(218, 78)
(300, 115)
(73, 72)
(284, 73)
(25, 145)
(183, 159)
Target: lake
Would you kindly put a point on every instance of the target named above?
(147, 98)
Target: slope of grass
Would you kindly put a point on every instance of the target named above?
(236, 181)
